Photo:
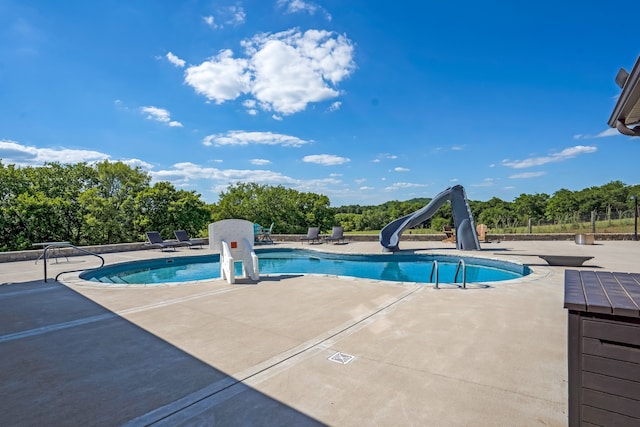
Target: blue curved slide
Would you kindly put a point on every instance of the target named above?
(466, 236)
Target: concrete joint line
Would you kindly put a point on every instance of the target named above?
(28, 291)
(55, 327)
(84, 321)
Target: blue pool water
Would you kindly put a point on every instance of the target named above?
(392, 267)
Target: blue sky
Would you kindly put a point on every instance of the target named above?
(362, 101)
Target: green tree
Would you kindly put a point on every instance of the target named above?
(13, 182)
(164, 209)
(562, 205)
(496, 213)
(110, 205)
(291, 211)
(190, 213)
(531, 206)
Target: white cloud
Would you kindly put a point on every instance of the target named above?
(160, 115)
(260, 162)
(237, 15)
(565, 154)
(12, 152)
(232, 15)
(181, 174)
(365, 188)
(400, 169)
(603, 134)
(335, 106)
(210, 21)
(525, 175)
(325, 159)
(608, 132)
(400, 185)
(191, 171)
(284, 72)
(250, 105)
(360, 181)
(175, 60)
(221, 78)
(155, 113)
(237, 137)
(384, 156)
(138, 163)
(296, 6)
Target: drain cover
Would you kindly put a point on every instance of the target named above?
(342, 358)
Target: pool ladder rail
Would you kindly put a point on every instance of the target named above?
(461, 266)
(57, 246)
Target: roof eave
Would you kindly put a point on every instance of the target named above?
(629, 101)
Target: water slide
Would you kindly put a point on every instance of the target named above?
(466, 236)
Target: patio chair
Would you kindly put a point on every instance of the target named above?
(448, 232)
(481, 229)
(155, 240)
(257, 231)
(183, 238)
(312, 235)
(265, 234)
(337, 234)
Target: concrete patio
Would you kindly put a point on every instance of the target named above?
(209, 353)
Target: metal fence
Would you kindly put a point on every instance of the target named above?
(606, 221)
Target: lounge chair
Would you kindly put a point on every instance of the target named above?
(156, 240)
(337, 234)
(448, 232)
(312, 235)
(183, 239)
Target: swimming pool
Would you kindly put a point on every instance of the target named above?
(391, 267)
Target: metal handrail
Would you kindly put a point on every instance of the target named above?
(434, 268)
(67, 245)
(464, 273)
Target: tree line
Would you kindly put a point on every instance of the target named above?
(613, 200)
(111, 202)
(91, 205)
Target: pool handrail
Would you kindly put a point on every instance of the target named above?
(434, 268)
(58, 245)
(464, 273)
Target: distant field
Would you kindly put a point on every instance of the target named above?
(625, 225)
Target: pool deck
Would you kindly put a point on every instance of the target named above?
(210, 353)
